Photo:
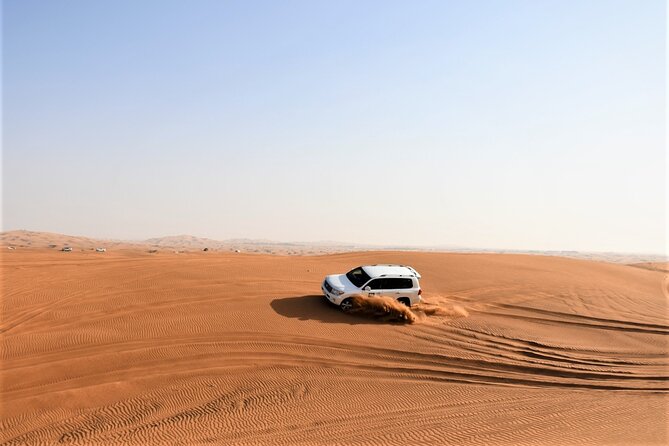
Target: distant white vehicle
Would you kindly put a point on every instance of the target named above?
(100, 249)
(396, 281)
(66, 249)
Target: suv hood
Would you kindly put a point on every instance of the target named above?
(341, 282)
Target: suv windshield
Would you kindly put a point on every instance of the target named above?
(358, 276)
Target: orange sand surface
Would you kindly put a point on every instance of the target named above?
(132, 348)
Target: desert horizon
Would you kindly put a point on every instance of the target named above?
(42, 239)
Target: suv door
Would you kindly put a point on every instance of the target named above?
(392, 287)
(400, 286)
(376, 286)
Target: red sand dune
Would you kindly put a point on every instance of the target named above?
(198, 348)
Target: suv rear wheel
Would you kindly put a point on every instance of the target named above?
(405, 301)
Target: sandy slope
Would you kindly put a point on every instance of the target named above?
(131, 348)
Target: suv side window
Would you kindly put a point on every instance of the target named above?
(376, 284)
(390, 284)
(397, 283)
(405, 283)
(387, 284)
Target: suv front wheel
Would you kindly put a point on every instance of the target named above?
(346, 305)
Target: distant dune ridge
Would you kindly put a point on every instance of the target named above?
(33, 239)
(131, 348)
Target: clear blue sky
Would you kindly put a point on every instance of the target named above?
(489, 124)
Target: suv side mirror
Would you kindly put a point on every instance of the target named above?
(368, 288)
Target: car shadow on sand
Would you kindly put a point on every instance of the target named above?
(317, 308)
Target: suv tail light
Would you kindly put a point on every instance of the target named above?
(420, 291)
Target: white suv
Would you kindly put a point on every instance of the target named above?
(397, 281)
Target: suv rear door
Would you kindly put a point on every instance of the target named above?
(398, 286)
(390, 286)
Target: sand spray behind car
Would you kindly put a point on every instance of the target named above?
(382, 307)
(438, 309)
(390, 310)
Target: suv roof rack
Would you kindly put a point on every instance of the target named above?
(411, 272)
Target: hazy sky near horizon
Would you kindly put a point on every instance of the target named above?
(487, 124)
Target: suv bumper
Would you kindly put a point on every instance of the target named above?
(333, 299)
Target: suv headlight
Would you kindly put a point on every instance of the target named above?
(337, 292)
